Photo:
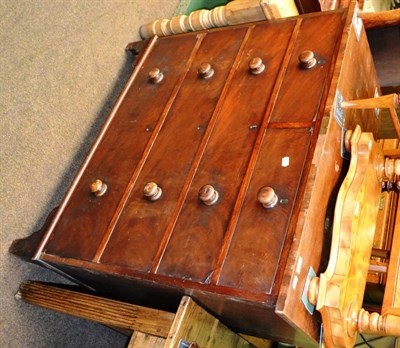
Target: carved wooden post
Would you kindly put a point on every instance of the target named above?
(375, 324)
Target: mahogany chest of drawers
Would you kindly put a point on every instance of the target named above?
(215, 172)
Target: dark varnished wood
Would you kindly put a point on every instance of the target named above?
(301, 89)
(231, 131)
(25, 248)
(353, 73)
(81, 227)
(246, 180)
(140, 228)
(198, 157)
(248, 317)
(225, 160)
(255, 250)
(306, 6)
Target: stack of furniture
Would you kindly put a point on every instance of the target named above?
(223, 174)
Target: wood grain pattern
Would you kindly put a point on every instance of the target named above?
(193, 169)
(316, 209)
(246, 180)
(225, 159)
(247, 314)
(258, 342)
(291, 105)
(140, 227)
(81, 227)
(194, 325)
(142, 340)
(358, 80)
(380, 19)
(151, 327)
(255, 250)
(353, 74)
(101, 310)
(177, 245)
(341, 287)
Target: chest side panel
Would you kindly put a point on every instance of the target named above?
(142, 223)
(197, 236)
(85, 218)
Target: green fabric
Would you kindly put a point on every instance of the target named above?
(188, 6)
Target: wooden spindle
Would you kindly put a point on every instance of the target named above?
(384, 254)
(200, 20)
(380, 19)
(390, 101)
(218, 17)
(375, 324)
(238, 12)
(177, 25)
(380, 267)
(235, 12)
(385, 101)
(392, 168)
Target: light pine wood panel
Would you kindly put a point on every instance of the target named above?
(194, 325)
(142, 340)
(101, 310)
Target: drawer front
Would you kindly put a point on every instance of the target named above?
(86, 217)
(142, 224)
(301, 92)
(255, 250)
(196, 240)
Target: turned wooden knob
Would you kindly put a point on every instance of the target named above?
(152, 191)
(347, 140)
(208, 195)
(307, 60)
(267, 197)
(98, 187)
(155, 75)
(205, 71)
(256, 66)
(313, 290)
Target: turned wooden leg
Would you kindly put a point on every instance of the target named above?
(375, 324)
